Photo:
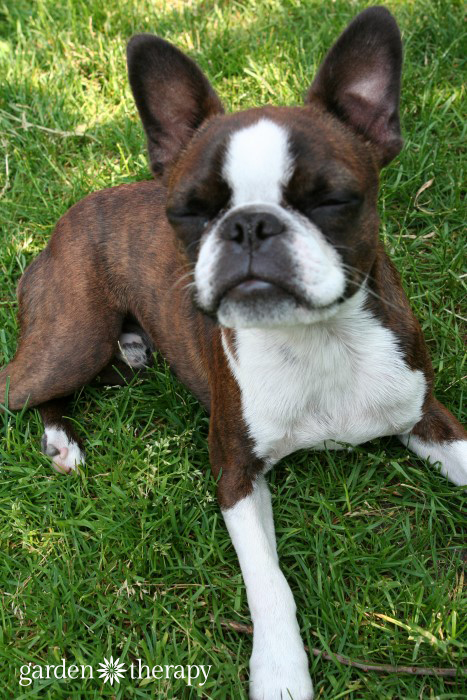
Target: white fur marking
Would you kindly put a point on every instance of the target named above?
(278, 664)
(318, 264)
(132, 350)
(452, 456)
(69, 453)
(205, 270)
(258, 163)
(343, 380)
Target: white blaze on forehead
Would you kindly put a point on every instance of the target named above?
(258, 163)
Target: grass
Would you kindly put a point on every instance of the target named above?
(131, 557)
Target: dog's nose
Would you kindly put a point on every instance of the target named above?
(250, 229)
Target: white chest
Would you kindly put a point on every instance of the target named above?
(343, 381)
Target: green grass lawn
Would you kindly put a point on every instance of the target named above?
(131, 557)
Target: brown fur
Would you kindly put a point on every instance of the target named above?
(74, 296)
(438, 424)
(73, 300)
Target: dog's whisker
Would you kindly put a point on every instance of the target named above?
(181, 279)
(370, 291)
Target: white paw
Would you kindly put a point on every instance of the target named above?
(284, 677)
(133, 350)
(451, 456)
(65, 453)
(453, 459)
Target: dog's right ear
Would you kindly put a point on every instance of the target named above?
(173, 97)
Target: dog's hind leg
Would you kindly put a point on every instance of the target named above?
(47, 369)
(49, 366)
(439, 437)
(60, 441)
(69, 333)
(55, 360)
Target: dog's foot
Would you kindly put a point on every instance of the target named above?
(284, 677)
(451, 456)
(134, 349)
(65, 452)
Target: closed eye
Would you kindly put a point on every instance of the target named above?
(322, 203)
(197, 210)
(187, 216)
(337, 202)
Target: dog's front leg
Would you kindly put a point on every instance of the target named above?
(439, 437)
(279, 664)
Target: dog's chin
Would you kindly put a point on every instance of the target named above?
(260, 304)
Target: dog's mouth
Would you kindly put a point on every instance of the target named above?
(253, 289)
(256, 290)
(256, 302)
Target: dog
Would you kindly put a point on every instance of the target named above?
(252, 263)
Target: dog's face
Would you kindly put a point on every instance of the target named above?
(276, 206)
(278, 211)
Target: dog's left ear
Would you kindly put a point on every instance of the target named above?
(359, 80)
(172, 94)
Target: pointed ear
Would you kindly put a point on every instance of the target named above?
(173, 97)
(359, 80)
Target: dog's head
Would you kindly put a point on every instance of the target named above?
(275, 206)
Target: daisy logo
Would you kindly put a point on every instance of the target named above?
(111, 670)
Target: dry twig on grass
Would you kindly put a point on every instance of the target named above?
(362, 665)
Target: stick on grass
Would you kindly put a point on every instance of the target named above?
(362, 665)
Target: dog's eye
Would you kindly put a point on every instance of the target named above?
(336, 203)
(188, 216)
(319, 203)
(193, 212)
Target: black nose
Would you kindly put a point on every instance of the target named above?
(250, 229)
